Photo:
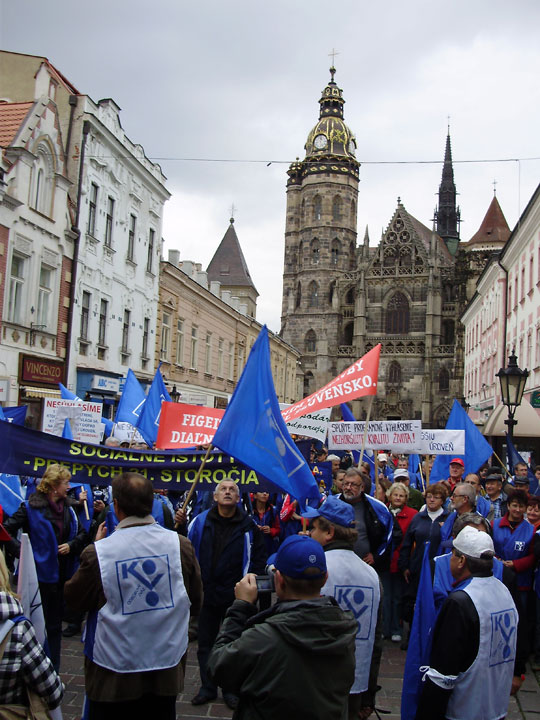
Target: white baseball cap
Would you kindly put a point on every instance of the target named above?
(474, 543)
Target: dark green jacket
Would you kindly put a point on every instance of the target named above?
(295, 660)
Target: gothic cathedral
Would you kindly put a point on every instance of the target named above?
(340, 299)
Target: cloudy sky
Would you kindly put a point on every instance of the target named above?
(217, 89)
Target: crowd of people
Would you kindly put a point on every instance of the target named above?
(144, 571)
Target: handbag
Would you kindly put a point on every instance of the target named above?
(37, 707)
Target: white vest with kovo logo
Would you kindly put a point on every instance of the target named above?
(144, 623)
(355, 586)
(482, 692)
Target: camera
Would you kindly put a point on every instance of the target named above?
(265, 583)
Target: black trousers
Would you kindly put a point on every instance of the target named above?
(161, 707)
(210, 621)
(52, 600)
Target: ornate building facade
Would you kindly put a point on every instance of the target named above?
(340, 300)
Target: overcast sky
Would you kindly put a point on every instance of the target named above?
(234, 84)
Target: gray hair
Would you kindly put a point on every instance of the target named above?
(397, 486)
(469, 491)
(470, 518)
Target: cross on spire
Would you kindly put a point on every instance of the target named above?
(333, 56)
(494, 188)
(232, 213)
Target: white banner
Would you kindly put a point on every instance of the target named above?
(442, 442)
(84, 419)
(313, 425)
(399, 435)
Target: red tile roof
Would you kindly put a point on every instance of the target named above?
(11, 117)
(494, 227)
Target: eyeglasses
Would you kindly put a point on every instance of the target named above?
(431, 495)
(352, 484)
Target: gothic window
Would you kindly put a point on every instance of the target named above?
(444, 379)
(303, 210)
(353, 213)
(348, 331)
(447, 332)
(308, 383)
(313, 294)
(394, 373)
(41, 192)
(334, 251)
(317, 208)
(310, 342)
(336, 208)
(397, 315)
(352, 256)
(389, 259)
(314, 251)
(331, 291)
(298, 295)
(405, 259)
(349, 297)
(447, 292)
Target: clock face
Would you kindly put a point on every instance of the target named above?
(320, 142)
(352, 147)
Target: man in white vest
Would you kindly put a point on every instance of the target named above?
(474, 639)
(137, 586)
(355, 586)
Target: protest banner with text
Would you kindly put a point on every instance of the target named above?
(442, 442)
(84, 418)
(313, 424)
(182, 425)
(398, 435)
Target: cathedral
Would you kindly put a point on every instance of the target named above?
(341, 298)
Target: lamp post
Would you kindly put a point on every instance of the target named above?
(175, 395)
(513, 380)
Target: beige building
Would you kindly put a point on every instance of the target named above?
(205, 334)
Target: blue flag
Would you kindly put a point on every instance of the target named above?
(66, 432)
(477, 448)
(347, 416)
(148, 422)
(2, 416)
(11, 493)
(419, 641)
(513, 458)
(66, 394)
(132, 400)
(414, 471)
(253, 431)
(16, 415)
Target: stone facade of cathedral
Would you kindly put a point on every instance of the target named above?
(340, 299)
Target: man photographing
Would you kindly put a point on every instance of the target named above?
(295, 659)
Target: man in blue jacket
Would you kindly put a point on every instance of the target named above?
(227, 547)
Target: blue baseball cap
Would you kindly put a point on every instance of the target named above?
(333, 509)
(298, 555)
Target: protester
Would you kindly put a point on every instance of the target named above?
(521, 476)
(415, 498)
(295, 660)
(533, 511)
(483, 506)
(495, 494)
(456, 470)
(392, 579)
(137, 585)
(332, 527)
(57, 539)
(338, 482)
(266, 520)
(227, 547)
(474, 640)
(24, 666)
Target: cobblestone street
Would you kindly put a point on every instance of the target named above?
(527, 707)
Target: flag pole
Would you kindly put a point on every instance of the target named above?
(85, 504)
(427, 474)
(422, 476)
(197, 478)
(503, 466)
(365, 431)
(376, 466)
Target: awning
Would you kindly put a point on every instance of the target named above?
(35, 392)
(528, 421)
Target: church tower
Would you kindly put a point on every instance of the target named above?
(447, 214)
(320, 239)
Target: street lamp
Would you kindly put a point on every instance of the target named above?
(175, 395)
(513, 380)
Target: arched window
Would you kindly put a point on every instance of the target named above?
(336, 208)
(444, 379)
(310, 342)
(331, 291)
(394, 373)
(350, 297)
(447, 332)
(42, 183)
(353, 213)
(334, 251)
(352, 256)
(348, 332)
(303, 210)
(298, 296)
(317, 207)
(313, 294)
(308, 383)
(314, 251)
(397, 315)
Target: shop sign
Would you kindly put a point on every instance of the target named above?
(40, 370)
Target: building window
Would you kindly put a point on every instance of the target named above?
(348, 334)
(448, 332)
(315, 252)
(44, 295)
(317, 208)
(193, 354)
(131, 237)
(334, 252)
(444, 379)
(313, 294)
(180, 342)
(150, 257)
(241, 359)
(397, 315)
(165, 336)
(109, 222)
(220, 358)
(16, 289)
(311, 342)
(102, 328)
(85, 315)
(336, 208)
(146, 333)
(41, 192)
(230, 362)
(394, 373)
(125, 332)
(208, 354)
(298, 298)
(92, 210)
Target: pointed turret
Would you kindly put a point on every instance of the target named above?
(229, 267)
(494, 231)
(448, 215)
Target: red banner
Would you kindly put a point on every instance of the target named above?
(182, 425)
(356, 381)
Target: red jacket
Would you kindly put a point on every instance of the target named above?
(404, 517)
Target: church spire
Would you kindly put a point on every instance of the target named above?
(448, 214)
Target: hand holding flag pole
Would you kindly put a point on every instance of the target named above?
(196, 480)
